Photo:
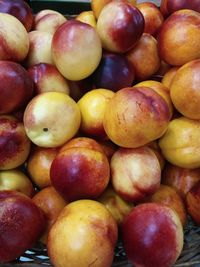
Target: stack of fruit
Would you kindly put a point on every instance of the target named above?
(99, 131)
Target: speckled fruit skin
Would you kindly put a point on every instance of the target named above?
(193, 202)
(14, 145)
(152, 236)
(47, 78)
(144, 58)
(177, 46)
(19, 9)
(150, 120)
(76, 50)
(14, 41)
(120, 25)
(80, 172)
(135, 173)
(167, 7)
(21, 224)
(84, 234)
(152, 16)
(184, 90)
(16, 87)
(114, 72)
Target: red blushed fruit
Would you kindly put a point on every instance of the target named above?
(16, 87)
(80, 173)
(193, 202)
(167, 7)
(152, 235)
(120, 25)
(21, 224)
(114, 72)
(19, 9)
(14, 143)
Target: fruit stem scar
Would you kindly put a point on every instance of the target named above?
(45, 129)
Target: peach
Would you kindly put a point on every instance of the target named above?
(169, 196)
(181, 179)
(21, 224)
(92, 107)
(51, 203)
(16, 87)
(84, 142)
(114, 72)
(118, 207)
(14, 44)
(84, 234)
(180, 143)
(108, 147)
(144, 57)
(48, 20)
(179, 38)
(152, 235)
(76, 49)
(156, 149)
(170, 6)
(135, 173)
(14, 145)
(87, 17)
(19, 9)
(168, 76)
(47, 78)
(184, 90)
(135, 117)
(15, 179)
(80, 172)
(40, 48)
(51, 127)
(39, 163)
(161, 89)
(193, 202)
(120, 25)
(152, 16)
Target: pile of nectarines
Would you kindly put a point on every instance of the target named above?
(99, 131)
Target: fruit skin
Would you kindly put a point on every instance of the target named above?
(168, 7)
(51, 203)
(16, 87)
(19, 9)
(92, 107)
(84, 234)
(120, 25)
(87, 17)
(118, 207)
(169, 196)
(16, 180)
(80, 172)
(180, 143)
(39, 163)
(76, 50)
(48, 20)
(150, 120)
(135, 173)
(40, 48)
(51, 127)
(14, 145)
(47, 78)
(114, 72)
(21, 224)
(175, 45)
(144, 58)
(184, 90)
(152, 235)
(181, 179)
(193, 202)
(14, 44)
(168, 77)
(152, 16)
